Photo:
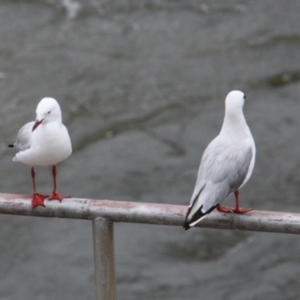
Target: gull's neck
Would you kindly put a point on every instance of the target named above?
(234, 123)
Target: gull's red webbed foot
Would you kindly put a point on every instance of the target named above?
(240, 210)
(38, 199)
(57, 196)
(225, 209)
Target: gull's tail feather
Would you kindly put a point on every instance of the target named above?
(191, 221)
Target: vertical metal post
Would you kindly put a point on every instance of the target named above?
(104, 259)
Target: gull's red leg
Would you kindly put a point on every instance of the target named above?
(37, 199)
(55, 195)
(238, 209)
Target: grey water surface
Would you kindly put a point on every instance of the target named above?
(142, 87)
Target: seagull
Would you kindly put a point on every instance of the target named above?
(43, 142)
(226, 165)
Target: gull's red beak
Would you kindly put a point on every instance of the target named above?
(36, 124)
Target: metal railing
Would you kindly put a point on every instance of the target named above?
(104, 213)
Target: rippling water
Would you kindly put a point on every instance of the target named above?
(142, 87)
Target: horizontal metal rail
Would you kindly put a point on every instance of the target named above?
(104, 213)
(149, 213)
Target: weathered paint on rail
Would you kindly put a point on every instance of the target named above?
(149, 213)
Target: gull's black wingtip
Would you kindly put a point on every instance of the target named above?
(186, 225)
(10, 146)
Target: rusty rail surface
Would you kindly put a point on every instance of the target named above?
(149, 213)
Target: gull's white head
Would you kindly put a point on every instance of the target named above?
(235, 100)
(48, 110)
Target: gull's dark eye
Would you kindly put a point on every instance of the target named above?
(244, 96)
(49, 112)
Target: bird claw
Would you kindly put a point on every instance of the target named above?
(56, 196)
(225, 209)
(237, 210)
(38, 200)
(241, 210)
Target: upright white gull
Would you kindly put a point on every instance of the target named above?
(226, 165)
(45, 142)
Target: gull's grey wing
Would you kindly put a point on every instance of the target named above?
(222, 171)
(226, 164)
(23, 140)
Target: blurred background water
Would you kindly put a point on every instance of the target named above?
(142, 87)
